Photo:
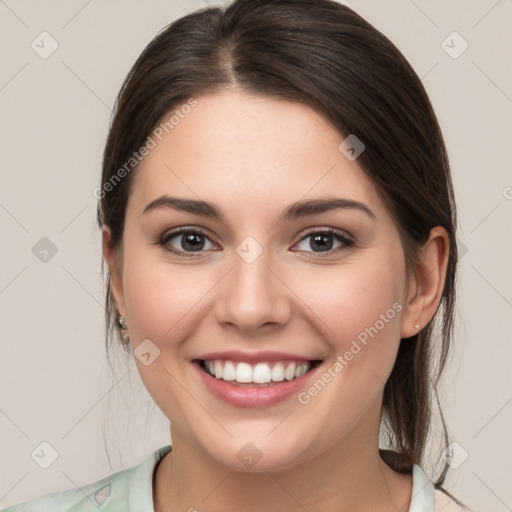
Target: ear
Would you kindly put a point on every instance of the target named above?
(426, 282)
(113, 262)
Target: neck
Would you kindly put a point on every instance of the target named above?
(350, 476)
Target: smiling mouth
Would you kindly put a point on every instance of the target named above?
(263, 374)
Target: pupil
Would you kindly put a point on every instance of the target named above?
(324, 242)
(193, 242)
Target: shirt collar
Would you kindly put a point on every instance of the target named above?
(422, 499)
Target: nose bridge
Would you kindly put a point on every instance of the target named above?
(251, 295)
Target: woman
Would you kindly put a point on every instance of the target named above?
(278, 223)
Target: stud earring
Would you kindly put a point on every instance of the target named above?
(125, 334)
(121, 322)
(416, 326)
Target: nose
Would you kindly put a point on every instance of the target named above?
(253, 296)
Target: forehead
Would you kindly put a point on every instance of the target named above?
(247, 151)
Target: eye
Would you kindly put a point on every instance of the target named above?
(325, 241)
(186, 241)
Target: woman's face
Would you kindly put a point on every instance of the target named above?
(258, 287)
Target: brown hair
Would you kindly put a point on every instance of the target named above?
(323, 55)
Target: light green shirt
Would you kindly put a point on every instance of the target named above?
(131, 490)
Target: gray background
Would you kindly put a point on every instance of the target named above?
(54, 381)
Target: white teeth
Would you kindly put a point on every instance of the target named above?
(261, 373)
(243, 372)
(301, 370)
(229, 372)
(278, 372)
(289, 373)
(218, 369)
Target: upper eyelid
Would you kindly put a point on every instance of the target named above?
(181, 231)
(308, 232)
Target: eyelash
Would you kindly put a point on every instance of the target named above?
(339, 235)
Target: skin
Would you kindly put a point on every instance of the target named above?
(253, 156)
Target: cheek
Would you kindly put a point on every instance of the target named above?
(163, 302)
(358, 309)
(162, 298)
(352, 298)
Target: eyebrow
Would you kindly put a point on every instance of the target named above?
(296, 210)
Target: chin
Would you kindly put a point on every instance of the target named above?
(261, 455)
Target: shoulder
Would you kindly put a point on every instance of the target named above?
(445, 503)
(120, 492)
(83, 499)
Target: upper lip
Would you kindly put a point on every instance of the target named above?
(254, 357)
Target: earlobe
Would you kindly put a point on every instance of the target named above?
(116, 286)
(427, 283)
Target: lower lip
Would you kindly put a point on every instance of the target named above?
(253, 396)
